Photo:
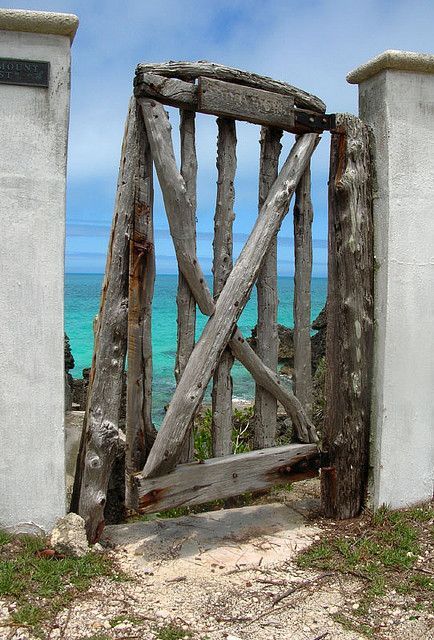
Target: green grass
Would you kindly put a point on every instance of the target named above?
(5, 538)
(171, 632)
(382, 549)
(351, 625)
(40, 585)
(28, 615)
(124, 618)
(242, 433)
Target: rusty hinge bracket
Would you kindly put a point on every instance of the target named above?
(315, 122)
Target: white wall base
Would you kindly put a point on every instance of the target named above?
(399, 106)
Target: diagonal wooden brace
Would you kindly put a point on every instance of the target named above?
(176, 200)
(159, 132)
(270, 381)
(231, 302)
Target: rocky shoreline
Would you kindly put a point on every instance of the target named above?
(76, 388)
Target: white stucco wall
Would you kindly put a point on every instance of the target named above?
(399, 105)
(33, 145)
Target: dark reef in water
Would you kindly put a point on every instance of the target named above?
(286, 344)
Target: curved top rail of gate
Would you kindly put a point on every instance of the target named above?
(229, 92)
(191, 71)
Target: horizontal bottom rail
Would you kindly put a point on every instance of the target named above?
(225, 477)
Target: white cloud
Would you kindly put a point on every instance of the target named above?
(312, 45)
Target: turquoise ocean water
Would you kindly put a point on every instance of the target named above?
(82, 294)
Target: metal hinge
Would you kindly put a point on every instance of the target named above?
(315, 122)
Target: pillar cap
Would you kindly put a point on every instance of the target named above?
(60, 24)
(393, 59)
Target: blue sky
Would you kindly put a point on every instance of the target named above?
(312, 45)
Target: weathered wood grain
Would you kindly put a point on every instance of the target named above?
(230, 100)
(266, 335)
(192, 70)
(349, 320)
(170, 91)
(303, 217)
(224, 477)
(140, 432)
(227, 99)
(222, 266)
(104, 399)
(270, 382)
(176, 201)
(185, 301)
(230, 304)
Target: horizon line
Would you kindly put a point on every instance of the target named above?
(101, 273)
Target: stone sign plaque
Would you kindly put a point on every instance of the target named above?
(24, 72)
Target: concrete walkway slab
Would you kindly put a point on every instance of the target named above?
(225, 539)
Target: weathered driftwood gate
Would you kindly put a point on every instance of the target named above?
(155, 479)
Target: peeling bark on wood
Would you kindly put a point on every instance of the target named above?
(230, 100)
(303, 217)
(269, 381)
(230, 304)
(103, 408)
(185, 300)
(224, 477)
(192, 70)
(222, 266)
(267, 338)
(140, 432)
(349, 320)
(177, 203)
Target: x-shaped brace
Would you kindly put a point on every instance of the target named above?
(221, 329)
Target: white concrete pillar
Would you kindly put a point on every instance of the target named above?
(396, 92)
(33, 145)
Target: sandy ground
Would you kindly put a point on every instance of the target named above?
(224, 575)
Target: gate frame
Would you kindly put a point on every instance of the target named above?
(234, 99)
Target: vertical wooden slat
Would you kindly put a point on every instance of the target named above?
(303, 217)
(349, 320)
(222, 266)
(105, 389)
(140, 433)
(267, 338)
(185, 300)
(230, 304)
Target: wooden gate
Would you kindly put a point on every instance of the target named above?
(160, 473)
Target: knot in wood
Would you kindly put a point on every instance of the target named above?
(101, 498)
(94, 462)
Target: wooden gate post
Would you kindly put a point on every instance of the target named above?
(349, 320)
(100, 438)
